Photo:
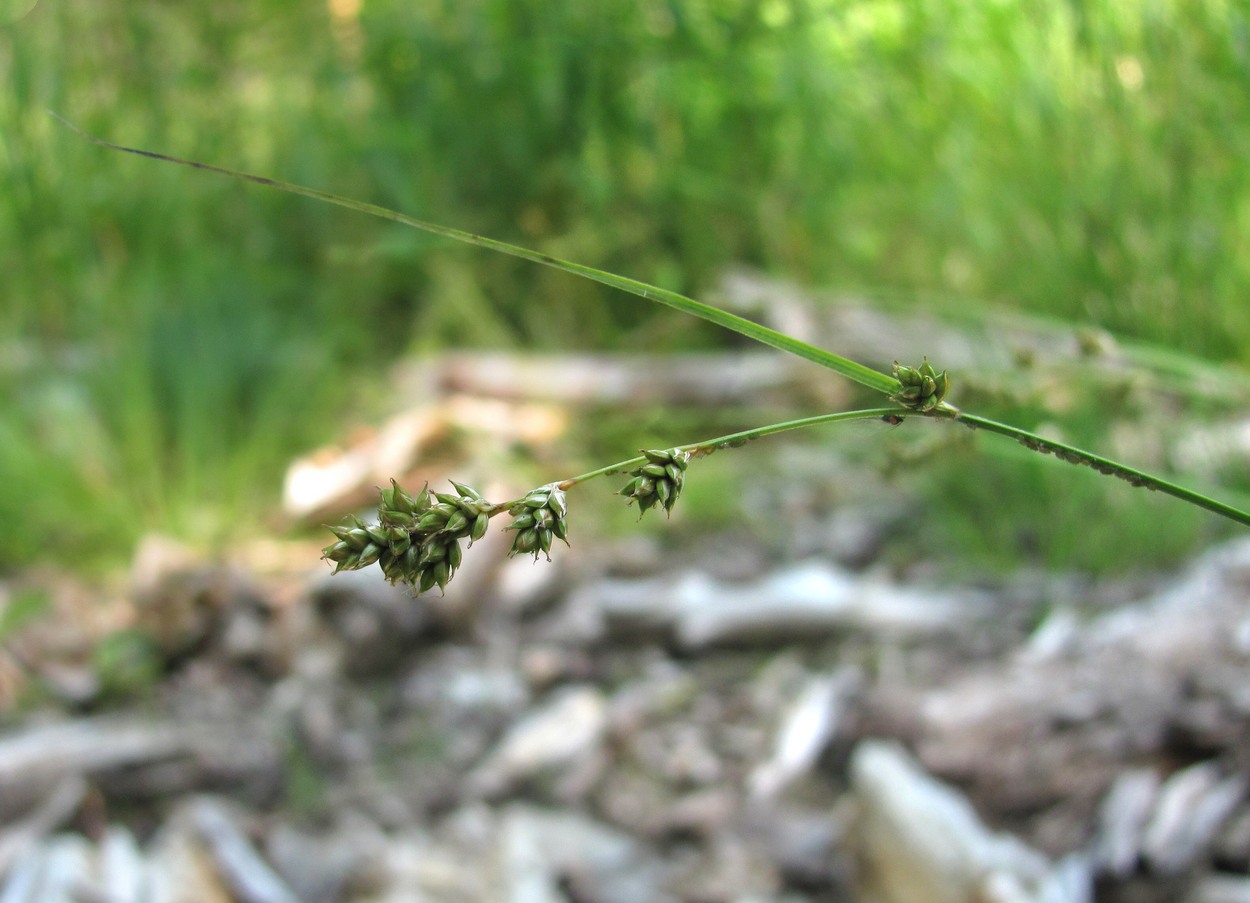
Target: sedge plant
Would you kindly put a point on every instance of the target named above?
(418, 538)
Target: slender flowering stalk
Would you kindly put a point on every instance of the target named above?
(417, 538)
(734, 440)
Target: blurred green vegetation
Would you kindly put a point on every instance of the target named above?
(169, 339)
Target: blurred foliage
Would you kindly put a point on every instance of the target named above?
(168, 339)
(127, 663)
(23, 607)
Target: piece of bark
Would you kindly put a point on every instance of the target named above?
(567, 728)
(36, 758)
(65, 867)
(877, 336)
(131, 759)
(123, 868)
(1122, 819)
(180, 870)
(18, 837)
(1193, 805)
(799, 602)
(808, 725)
(917, 840)
(243, 869)
(628, 379)
(1220, 889)
(1061, 726)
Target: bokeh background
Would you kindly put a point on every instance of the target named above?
(169, 340)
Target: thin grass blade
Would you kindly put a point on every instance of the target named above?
(866, 376)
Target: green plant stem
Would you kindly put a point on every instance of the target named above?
(705, 448)
(866, 376)
(1131, 475)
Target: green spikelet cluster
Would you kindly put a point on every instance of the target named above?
(540, 518)
(416, 540)
(659, 481)
(922, 388)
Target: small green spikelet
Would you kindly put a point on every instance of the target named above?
(922, 388)
(538, 519)
(659, 481)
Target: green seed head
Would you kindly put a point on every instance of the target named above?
(457, 524)
(522, 522)
(339, 552)
(467, 492)
(659, 481)
(427, 580)
(392, 517)
(526, 541)
(432, 551)
(539, 518)
(921, 388)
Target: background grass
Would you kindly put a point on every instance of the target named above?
(171, 339)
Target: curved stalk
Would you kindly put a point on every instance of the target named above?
(733, 440)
